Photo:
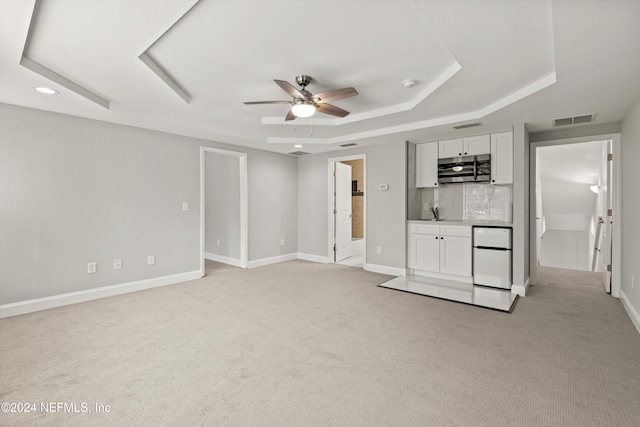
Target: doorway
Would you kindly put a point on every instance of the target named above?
(574, 207)
(347, 210)
(223, 208)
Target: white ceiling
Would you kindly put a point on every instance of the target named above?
(499, 62)
(580, 163)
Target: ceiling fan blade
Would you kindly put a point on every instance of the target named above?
(331, 110)
(290, 116)
(290, 89)
(334, 95)
(267, 102)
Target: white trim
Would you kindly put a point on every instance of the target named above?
(223, 259)
(313, 258)
(522, 93)
(30, 306)
(244, 203)
(372, 114)
(521, 290)
(272, 260)
(331, 225)
(631, 311)
(384, 269)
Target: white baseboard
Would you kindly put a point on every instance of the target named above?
(313, 258)
(521, 290)
(30, 306)
(272, 260)
(223, 259)
(384, 269)
(631, 311)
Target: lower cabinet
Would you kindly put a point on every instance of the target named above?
(443, 249)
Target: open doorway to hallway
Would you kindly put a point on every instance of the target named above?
(223, 209)
(351, 193)
(572, 182)
(572, 204)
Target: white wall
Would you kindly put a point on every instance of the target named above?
(386, 210)
(74, 190)
(520, 207)
(273, 204)
(631, 206)
(222, 205)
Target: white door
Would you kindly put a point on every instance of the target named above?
(605, 187)
(342, 211)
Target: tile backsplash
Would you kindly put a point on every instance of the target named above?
(485, 202)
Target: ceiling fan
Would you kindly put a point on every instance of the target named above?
(305, 104)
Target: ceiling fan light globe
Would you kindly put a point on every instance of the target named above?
(303, 110)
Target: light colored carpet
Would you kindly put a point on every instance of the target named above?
(305, 344)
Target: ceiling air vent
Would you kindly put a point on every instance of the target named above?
(467, 125)
(587, 118)
(351, 144)
(298, 153)
(584, 119)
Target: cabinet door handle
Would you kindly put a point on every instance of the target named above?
(436, 237)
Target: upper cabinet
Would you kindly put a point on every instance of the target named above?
(427, 165)
(470, 146)
(499, 145)
(450, 148)
(502, 158)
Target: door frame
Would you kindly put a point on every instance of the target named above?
(615, 192)
(330, 203)
(244, 217)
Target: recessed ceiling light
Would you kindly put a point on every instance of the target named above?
(298, 146)
(46, 90)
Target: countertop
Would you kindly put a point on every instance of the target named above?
(463, 222)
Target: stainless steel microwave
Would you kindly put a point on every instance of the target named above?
(465, 169)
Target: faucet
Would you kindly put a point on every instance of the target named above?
(434, 211)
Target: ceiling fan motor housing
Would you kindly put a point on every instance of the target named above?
(303, 80)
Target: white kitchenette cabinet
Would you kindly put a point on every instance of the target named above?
(455, 255)
(502, 158)
(424, 247)
(439, 250)
(470, 146)
(427, 165)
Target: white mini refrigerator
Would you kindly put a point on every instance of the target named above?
(492, 257)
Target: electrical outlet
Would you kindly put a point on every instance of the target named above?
(379, 250)
(218, 242)
(92, 267)
(151, 260)
(426, 206)
(185, 206)
(281, 242)
(117, 264)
